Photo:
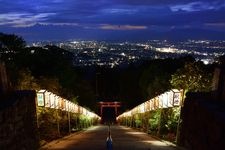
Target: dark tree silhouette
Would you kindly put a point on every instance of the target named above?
(11, 42)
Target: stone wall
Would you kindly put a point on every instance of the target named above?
(18, 126)
(203, 122)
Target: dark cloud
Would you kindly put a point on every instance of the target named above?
(162, 2)
(96, 16)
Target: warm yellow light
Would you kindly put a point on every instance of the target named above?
(142, 108)
(168, 99)
(165, 100)
(136, 133)
(48, 99)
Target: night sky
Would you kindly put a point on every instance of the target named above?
(133, 20)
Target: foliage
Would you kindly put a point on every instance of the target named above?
(51, 67)
(86, 93)
(137, 121)
(154, 120)
(26, 81)
(173, 116)
(128, 87)
(193, 76)
(48, 67)
(160, 122)
(50, 119)
(163, 122)
(51, 84)
(47, 123)
(168, 120)
(11, 42)
(155, 78)
(84, 121)
(74, 100)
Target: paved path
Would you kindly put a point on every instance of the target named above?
(95, 139)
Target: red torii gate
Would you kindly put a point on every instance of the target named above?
(110, 105)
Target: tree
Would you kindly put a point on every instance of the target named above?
(194, 76)
(11, 42)
(51, 84)
(155, 78)
(26, 81)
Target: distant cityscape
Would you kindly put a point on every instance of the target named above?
(90, 53)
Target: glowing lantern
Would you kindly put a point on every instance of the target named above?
(165, 100)
(170, 99)
(176, 97)
(76, 108)
(152, 104)
(156, 103)
(47, 99)
(41, 98)
(148, 105)
(52, 100)
(56, 102)
(142, 108)
(160, 98)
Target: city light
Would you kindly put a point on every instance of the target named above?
(91, 53)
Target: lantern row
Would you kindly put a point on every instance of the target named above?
(168, 99)
(50, 100)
